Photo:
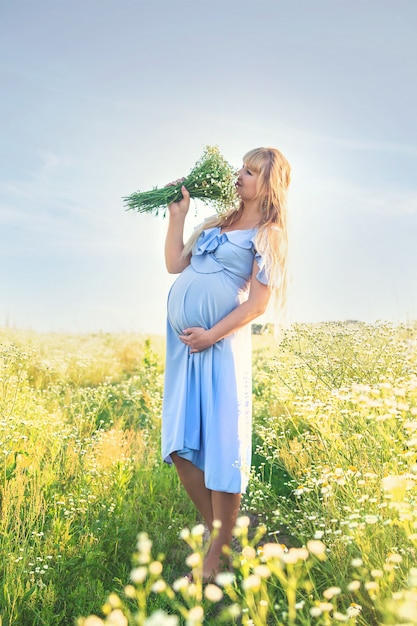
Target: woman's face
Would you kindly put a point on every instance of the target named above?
(246, 184)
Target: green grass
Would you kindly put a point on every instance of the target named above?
(335, 442)
(80, 472)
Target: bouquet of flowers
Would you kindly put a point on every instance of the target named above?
(211, 180)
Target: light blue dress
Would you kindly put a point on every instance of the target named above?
(207, 406)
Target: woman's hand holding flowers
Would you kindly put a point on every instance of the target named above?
(181, 206)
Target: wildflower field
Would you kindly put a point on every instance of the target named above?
(95, 529)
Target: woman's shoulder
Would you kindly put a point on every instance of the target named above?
(267, 239)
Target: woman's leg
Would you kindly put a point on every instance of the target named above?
(193, 480)
(225, 508)
(212, 505)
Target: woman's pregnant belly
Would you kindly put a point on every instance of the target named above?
(201, 299)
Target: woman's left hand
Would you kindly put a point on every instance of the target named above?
(197, 338)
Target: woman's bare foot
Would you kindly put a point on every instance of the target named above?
(215, 562)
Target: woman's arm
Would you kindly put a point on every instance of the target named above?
(174, 242)
(199, 339)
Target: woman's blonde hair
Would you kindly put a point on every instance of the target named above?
(271, 240)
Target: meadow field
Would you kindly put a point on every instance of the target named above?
(95, 529)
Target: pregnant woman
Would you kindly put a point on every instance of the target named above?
(229, 269)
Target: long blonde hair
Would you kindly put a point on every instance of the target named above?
(271, 240)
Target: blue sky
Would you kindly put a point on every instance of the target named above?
(100, 98)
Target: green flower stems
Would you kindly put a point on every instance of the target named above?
(211, 180)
